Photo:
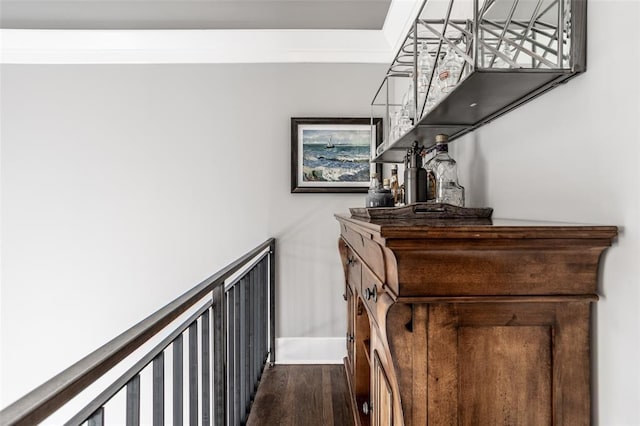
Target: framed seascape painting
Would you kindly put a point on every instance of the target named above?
(333, 154)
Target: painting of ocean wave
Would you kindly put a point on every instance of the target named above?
(334, 155)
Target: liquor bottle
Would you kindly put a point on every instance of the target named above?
(445, 169)
(395, 189)
(374, 186)
(415, 177)
(431, 177)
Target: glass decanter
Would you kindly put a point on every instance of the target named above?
(445, 171)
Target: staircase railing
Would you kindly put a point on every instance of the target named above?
(229, 338)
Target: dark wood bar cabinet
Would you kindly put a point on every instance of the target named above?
(470, 322)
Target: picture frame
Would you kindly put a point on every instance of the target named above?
(332, 155)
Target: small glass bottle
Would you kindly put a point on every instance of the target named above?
(445, 169)
(375, 181)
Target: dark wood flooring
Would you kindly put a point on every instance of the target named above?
(299, 395)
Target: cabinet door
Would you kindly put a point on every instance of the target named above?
(382, 395)
(509, 364)
(362, 367)
(351, 318)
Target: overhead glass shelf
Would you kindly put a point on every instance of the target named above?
(466, 62)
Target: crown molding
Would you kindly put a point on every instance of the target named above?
(398, 22)
(33, 46)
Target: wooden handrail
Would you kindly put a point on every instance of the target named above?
(53, 394)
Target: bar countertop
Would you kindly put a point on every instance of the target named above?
(476, 228)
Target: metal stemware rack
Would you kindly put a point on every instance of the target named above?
(506, 52)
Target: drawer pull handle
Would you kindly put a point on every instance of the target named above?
(349, 337)
(351, 261)
(366, 408)
(371, 293)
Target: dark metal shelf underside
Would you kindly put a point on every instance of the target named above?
(494, 92)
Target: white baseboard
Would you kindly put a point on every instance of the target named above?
(310, 350)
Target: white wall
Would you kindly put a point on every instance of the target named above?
(124, 186)
(574, 155)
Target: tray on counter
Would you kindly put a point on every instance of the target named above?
(422, 210)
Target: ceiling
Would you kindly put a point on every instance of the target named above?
(198, 14)
(203, 31)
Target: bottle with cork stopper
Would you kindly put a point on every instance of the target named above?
(443, 171)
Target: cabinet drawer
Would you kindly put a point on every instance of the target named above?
(354, 270)
(371, 291)
(353, 239)
(368, 250)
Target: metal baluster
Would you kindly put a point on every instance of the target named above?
(260, 315)
(252, 330)
(238, 351)
(177, 381)
(231, 354)
(97, 418)
(243, 349)
(252, 280)
(272, 300)
(206, 362)
(246, 362)
(158, 390)
(264, 326)
(256, 322)
(193, 374)
(265, 311)
(219, 352)
(133, 401)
